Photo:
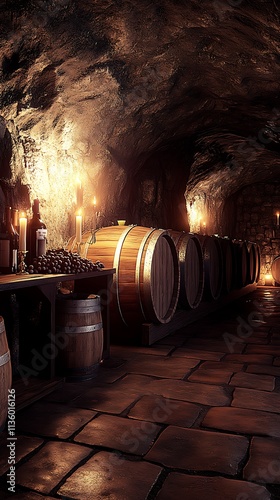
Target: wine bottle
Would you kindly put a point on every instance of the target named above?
(37, 233)
(8, 244)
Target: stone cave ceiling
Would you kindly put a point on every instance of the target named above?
(124, 87)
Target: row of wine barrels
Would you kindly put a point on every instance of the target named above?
(147, 278)
(5, 374)
(80, 330)
(158, 270)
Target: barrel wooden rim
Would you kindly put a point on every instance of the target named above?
(5, 358)
(116, 262)
(137, 273)
(147, 288)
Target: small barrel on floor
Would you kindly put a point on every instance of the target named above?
(5, 374)
(79, 331)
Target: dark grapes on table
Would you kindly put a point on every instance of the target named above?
(62, 261)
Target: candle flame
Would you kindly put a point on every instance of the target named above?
(94, 201)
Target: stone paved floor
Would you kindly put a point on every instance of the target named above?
(195, 416)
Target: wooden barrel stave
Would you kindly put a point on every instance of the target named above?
(275, 269)
(79, 322)
(5, 374)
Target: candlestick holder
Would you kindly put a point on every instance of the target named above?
(79, 247)
(22, 265)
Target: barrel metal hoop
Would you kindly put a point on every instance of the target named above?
(138, 265)
(116, 263)
(74, 309)
(79, 329)
(5, 358)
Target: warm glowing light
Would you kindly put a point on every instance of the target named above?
(277, 219)
(79, 223)
(268, 279)
(79, 193)
(94, 202)
(22, 232)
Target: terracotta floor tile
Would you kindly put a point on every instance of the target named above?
(192, 392)
(263, 465)
(47, 468)
(187, 487)
(243, 421)
(184, 352)
(23, 446)
(210, 376)
(127, 352)
(252, 381)
(108, 475)
(265, 369)
(263, 349)
(158, 366)
(198, 450)
(257, 400)
(165, 411)
(214, 345)
(52, 419)
(261, 359)
(118, 433)
(222, 365)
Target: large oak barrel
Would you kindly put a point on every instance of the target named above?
(5, 374)
(146, 282)
(252, 262)
(213, 267)
(275, 269)
(79, 331)
(229, 263)
(242, 263)
(190, 258)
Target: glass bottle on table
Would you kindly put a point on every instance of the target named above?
(37, 234)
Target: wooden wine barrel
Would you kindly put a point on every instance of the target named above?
(241, 252)
(5, 374)
(190, 257)
(229, 263)
(252, 262)
(258, 262)
(275, 269)
(213, 267)
(146, 282)
(79, 329)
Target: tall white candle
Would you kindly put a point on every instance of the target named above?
(22, 233)
(277, 219)
(79, 222)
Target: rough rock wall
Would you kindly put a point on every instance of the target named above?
(155, 106)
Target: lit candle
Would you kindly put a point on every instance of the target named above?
(79, 222)
(79, 194)
(22, 232)
(277, 219)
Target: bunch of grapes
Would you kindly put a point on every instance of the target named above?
(62, 261)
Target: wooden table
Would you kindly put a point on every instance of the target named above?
(43, 288)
